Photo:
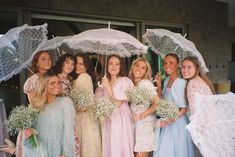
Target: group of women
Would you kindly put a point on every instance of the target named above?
(132, 129)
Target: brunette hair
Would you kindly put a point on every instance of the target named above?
(88, 66)
(58, 68)
(121, 70)
(174, 56)
(34, 66)
(199, 72)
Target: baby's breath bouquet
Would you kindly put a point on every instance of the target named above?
(138, 95)
(82, 99)
(103, 108)
(167, 110)
(22, 119)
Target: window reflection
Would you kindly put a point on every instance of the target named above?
(64, 27)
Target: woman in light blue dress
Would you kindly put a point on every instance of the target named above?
(175, 140)
(55, 123)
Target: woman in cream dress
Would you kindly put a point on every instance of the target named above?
(86, 125)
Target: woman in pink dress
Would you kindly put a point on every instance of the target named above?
(118, 132)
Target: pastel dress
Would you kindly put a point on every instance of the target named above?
(55, 127)
(31, 84)
(145, 129)
(66, 87)
(118, 131)
(175, 140)
(87, 126)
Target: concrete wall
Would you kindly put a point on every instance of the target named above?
(206, 20)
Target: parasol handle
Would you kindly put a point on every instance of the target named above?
(109, 24)
(96, 64)
(100, 85)
(21, 61)
(178, 45)
(106, 58)
(159, 63)
(56, 46)
(153, 80)
(105, 64)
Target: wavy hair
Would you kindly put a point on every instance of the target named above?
(199, 72)
(88, 66)
(34, 66)
(148, 73)
(121, 70)
(40, 99)
(58, 68)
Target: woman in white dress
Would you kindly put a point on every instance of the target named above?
(140, 73)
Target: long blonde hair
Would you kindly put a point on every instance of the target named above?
(147, 75)
(40, 99)
(199, 72)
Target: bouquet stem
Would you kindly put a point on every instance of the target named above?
(32, 139)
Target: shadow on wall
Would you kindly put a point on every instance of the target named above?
(231, 73)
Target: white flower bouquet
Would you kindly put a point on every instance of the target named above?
(103, 108)
(167, 110)
(22, 119)
(82, 99)
(138, 95)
